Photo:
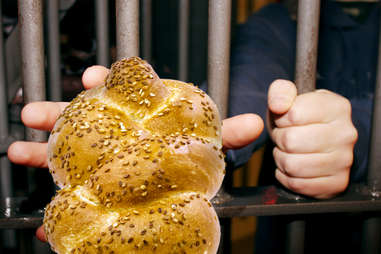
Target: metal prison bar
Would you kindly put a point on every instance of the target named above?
(242, 201)
(305, 78)
(54, 56)
(102, 33)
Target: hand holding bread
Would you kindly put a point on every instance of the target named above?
(236, 132)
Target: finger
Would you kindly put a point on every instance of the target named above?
(42, 115)
(30, 154)
(241, 130)
(321, 187)
(314, 138)
(314, 164)
(94, 76)
(281, 96)
(321, 106)
(40, 233)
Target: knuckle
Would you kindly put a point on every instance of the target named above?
(293, 115)
(344, 184)
(341, 184)
(295, 184)
(354, 134)
(289, 140)
(350, 135)
(347, 159)
(323, 91)
(290, 166)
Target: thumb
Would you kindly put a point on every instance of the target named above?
(40, 233)
(281, 96)
(241, 130)
(94, 76)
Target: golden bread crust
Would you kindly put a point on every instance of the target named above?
(126, 150)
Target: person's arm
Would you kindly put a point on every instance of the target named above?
(263, 51)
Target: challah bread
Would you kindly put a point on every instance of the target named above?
(137, 160)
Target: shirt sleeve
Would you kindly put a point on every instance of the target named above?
(263, 51)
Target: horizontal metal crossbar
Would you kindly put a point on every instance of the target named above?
(256, 201)
(271, 200)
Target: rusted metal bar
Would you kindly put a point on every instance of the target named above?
(218, 78)
(32, 61)
(371, 236)
(295, 237)
(5, 172)
(305, 81)
(7, 141)
(54, 56)
(147, 30)
(8, 237)
(270, 201)
(127, 28)
(32, 57)
(306, 45)
(219, 52)
(183, 39)
(102, 32)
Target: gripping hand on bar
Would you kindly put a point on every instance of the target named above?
(314, 137)
(236, 131)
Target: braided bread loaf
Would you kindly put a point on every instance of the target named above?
(137, 161)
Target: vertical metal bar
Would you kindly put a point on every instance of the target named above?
(102, 32)
(32, 53)
(371, 237)
(183, 39)
(295, 237)
(218, 76)
(306, 45)
(305, 78)
(32, 58)
(54, 56)
(219, 52)
(374, 172)
(8, 237)
(147, 30)
(127, 28)
(5, 171)
(26, 239)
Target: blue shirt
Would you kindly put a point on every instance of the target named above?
(264, 50)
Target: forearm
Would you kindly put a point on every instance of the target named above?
(262, 52)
